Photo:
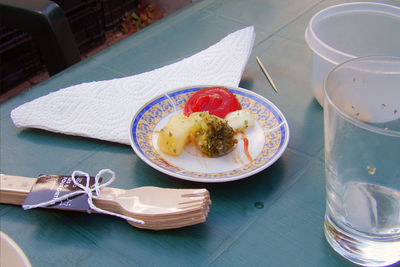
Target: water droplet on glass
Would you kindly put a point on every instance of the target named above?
(259, 205)
(371, 169)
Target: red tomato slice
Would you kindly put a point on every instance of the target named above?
(218, 101)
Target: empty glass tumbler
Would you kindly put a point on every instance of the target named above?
(362, 160)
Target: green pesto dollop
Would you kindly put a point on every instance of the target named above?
(213, 135)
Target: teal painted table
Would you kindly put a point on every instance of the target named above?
(274, 218)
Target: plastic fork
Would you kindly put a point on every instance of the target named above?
(158, 208)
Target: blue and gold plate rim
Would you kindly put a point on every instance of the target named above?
(266, 114)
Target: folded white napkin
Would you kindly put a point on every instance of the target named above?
(104, 109)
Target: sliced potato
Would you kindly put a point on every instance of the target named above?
(174, 135)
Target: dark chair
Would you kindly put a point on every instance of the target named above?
(46, 22)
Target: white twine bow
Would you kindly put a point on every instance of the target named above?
(92, 193)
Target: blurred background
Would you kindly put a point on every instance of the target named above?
(95, 24)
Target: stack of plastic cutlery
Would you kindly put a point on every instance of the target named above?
(149, 207)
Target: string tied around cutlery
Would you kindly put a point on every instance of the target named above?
(91, 191)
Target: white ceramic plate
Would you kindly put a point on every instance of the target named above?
(11, 253)
(268, 139)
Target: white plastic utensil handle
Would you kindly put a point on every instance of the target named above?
(89, 192)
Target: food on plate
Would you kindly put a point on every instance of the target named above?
(211, 134)
(240, 120)
(210, 120)
(218, 101)
(174, 135)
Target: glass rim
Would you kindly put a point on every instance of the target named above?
(347, 117)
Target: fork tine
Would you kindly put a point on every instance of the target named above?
(203, 212)
(169, 224)
(184, 211)
(189, 216)
(185, 221)
(170, 219)
(195, 193)
(192, 204)
(180, 213)
(190, 200)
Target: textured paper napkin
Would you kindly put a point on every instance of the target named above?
(104, 109)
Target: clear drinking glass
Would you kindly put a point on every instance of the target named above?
(362, 160)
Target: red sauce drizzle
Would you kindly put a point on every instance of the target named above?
(246, 146)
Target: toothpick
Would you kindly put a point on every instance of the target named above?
(266, 74)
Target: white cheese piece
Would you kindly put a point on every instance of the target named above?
(240, 120)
